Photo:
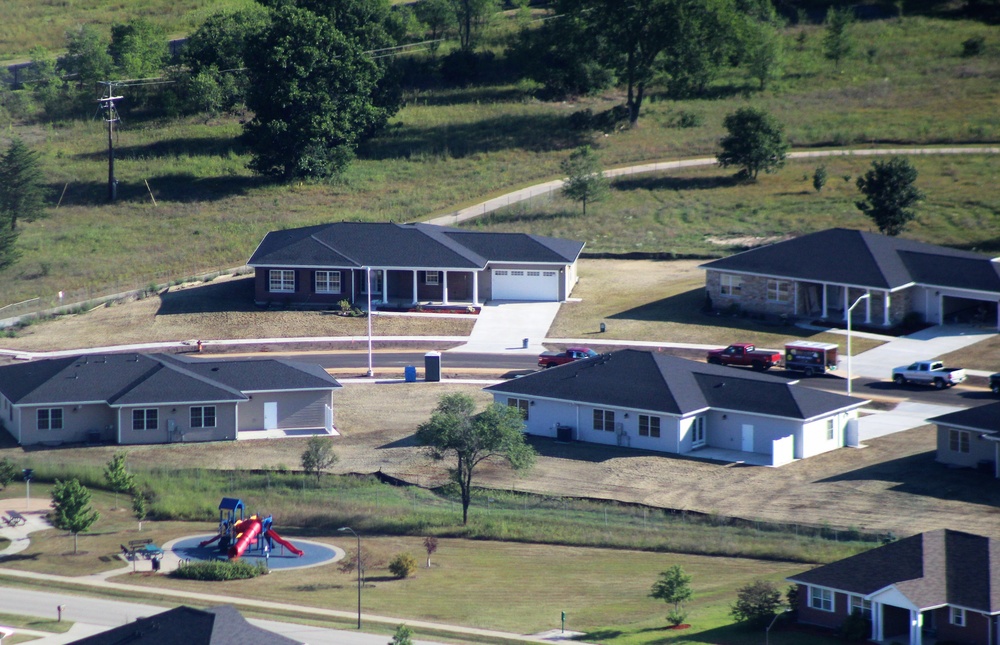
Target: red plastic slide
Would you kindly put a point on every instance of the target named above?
(207, 542)
(283, 542)
(246, 531)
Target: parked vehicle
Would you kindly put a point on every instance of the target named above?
(745, 354)
(929, 373)
(810, 357)
(551, 359)
(995, 383)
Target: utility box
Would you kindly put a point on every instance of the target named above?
(432, 366)
(564, 433)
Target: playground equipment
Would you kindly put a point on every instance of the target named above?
(237, 535)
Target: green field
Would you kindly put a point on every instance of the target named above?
(451, 147)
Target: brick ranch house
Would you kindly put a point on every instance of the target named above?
(410, 264)
(942, 585)
(820, 275)
(160, 398)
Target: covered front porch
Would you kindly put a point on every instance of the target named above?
(412, 287)
(833, 301)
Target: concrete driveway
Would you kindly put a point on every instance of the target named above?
(503, 325)
(906, 415)
(929, 343)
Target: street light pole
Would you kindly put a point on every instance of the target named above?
(347, 528)
(368, 277)
(849, 310)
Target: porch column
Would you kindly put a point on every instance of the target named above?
(916, 627)
(475, 288)
(825, 303)
(354, 280)
(385, 285)
(868, 307)
(885, 309)
(877, 621)
(414, 287)
(444, 286)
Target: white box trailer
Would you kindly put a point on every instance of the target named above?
(810, 357)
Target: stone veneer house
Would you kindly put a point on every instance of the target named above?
(410, 264)
(942, 585)
(970, 438)
(160, 398)
(821, 275)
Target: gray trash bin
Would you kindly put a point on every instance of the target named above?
(432, 366)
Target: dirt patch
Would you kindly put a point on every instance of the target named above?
(746, 241)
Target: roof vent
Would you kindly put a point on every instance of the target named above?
(720, 384)
(215, 369)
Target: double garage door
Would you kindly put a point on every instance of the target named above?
(523, 284)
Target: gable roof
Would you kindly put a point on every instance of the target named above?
(862, 259)
(138, 379)
(645, 380)
(985, 418)
(221, 625)
(390, 245)
(931, 569)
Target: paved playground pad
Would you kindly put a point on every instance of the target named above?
(314, 553)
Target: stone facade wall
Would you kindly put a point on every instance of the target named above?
(753, 295)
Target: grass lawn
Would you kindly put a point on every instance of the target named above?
(33, 622)
(981, 356)
(661, 300)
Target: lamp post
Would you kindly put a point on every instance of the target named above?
(849, 310)
(368, 278)
(347, 528)
(28, 473)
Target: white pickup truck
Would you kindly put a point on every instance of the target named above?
(929, 373)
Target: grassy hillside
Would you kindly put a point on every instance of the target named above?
(451, 147)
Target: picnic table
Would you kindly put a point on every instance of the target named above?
(150, 551)
(13, 518)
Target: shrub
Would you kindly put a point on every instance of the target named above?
(345, 305)
(582, 120)
(403, 565)
(219, 570)
(756, 603)
(819, 178)
(974, 46)
(687, 119)
(855, 628)
(676, 617)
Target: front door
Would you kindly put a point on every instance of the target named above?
(270, 415)
(747, 434)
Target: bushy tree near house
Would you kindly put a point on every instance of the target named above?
(755, 142)
(117, 476)
(673, 588)
(890, 194)
(318, 456)
(756, 603)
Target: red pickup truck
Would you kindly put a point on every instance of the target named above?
(745, 354)
(551, 359)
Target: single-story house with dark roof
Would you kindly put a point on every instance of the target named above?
(410, 264)
(160, 398)
(653, 401)
(943, 584)
(822, 274)
(970, 437)
(222, 625)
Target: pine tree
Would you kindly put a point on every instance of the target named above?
(585, 181)
(21, 188)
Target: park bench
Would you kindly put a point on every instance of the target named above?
(13, 518)
(140, 543)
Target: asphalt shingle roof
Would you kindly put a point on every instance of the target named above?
(385, 244)
(931, 569)
(859, 258)
(136, 379)
(983, 417)
(645, 380)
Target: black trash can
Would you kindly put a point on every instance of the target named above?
(432, 366)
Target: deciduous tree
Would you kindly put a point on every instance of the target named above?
(584, 182)
(318, 456)
(73, 512)
(402, 636)
(455, 431)
(756, 602)
(138, 48)
(755, 142)
(890, 194)
(139, 507)
(8, 472)
(471, 18)
(430, 545)
(673, 588)
(117, 476)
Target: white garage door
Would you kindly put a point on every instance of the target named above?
(520, 284)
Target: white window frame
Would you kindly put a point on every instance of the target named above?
(650, 424)
(859, 604)
(959, 440)
(432, 277)
(956, 616)
(730, 284)
(822, 599)
(53, 419)
(604, 420)
(327, 281)
(830, 429)
(148, 414)
(200, 422)
(698, 432)
(779, 291)
(279, 279)
(520, 404)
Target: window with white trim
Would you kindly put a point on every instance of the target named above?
(861, 606)
(432, 277)
(520, 404)
(327, 281)
(957, 616)
(649, 426)
(779, 291)
(698, 432)
(50, 419)
(145, 419)
(820, 598)
(829, 429)
(730, 285)
(281, 281)
(958, 441)
(203, 416)
(604, 420)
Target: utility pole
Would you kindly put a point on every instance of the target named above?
(110, 116)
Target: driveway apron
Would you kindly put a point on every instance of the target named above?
(503, 325)
(927, 344)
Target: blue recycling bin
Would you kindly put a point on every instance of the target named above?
(410, 374)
